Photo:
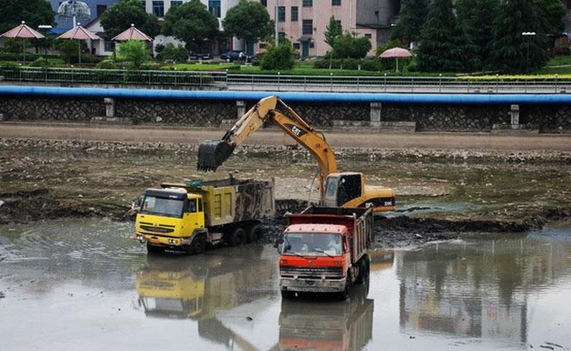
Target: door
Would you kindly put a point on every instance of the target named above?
(305, 49)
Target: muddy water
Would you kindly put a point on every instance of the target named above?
(85, 285)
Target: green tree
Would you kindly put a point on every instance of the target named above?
(279, 57)
(513, 52)
(119, 17)
(349, 45)
(69, 49)
(552, 13)
(479, 33)
(135, 51)
(177, 53)
(333, 30)
(412, 17)
(33, 12)
(443, 43)
(249, 20)
(191, 22)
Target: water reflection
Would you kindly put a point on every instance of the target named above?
(479, 289)
(200, 287)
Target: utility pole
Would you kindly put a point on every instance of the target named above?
(277, 34)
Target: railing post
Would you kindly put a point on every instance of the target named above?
(304, 83)
(175, 76)
(357, 83)
(124, 76)
(556, 83)
(20, 72)
(150, 77)
(440, 83)
(385, 82)
(525, 85)
(412, 84)
(72, 72)
(331, 81)
(497, 83)
(278, 81)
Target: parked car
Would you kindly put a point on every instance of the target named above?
(233, 55)
(200, 56)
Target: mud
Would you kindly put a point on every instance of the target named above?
(441, 192)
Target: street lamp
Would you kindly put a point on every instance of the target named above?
(45, 28)
(527, 34)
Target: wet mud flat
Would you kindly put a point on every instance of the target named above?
(440, 193)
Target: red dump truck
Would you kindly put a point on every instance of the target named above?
(324, 250)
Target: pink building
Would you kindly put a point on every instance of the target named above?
(304, 22)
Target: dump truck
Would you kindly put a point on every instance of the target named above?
(342, 189)
(325, 250)
(192, 216)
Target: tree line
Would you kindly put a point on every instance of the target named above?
(511, 36)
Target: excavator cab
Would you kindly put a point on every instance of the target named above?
(341, 188)
(348, 190)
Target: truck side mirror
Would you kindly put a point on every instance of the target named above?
(278, 242)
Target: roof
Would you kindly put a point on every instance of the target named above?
(22, 31)
(132, 34)
(79, 33)
(316, 228)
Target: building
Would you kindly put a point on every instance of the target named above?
(304, 22)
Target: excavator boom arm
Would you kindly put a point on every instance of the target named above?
(211, 154)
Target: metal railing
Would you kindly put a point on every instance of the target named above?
(281, 82)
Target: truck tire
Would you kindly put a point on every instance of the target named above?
(254, 233)
(364, 269)
(197, 246)
(237, 237)
(154, 250)
(286, 295)
(344, 295)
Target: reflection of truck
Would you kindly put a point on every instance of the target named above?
(192, 215)
(346, 189)
(325, 250)
(329, 326)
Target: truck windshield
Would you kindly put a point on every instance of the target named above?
(312, 244)
(162, 207)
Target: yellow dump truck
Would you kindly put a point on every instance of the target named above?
(191, 216)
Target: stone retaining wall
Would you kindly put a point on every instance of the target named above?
(419, 117)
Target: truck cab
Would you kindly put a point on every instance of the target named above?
(348, 190)
(169, 217)
(314, 258)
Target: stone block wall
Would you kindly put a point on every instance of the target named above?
(426, 117)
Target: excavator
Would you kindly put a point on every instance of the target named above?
(345, 189)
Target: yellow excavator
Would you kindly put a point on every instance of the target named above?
(345, 189)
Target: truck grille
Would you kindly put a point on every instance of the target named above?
(156, 229)
(311, 271)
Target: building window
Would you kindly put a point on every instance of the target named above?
(368, 35)
(176, 3)
(101, 9)
(294, 13)
(296, 46)
(281, 14)
(338, 23)
(214, 7)
(307, 27)
(144, 5)
(109, 46)
(307, 3)
(311, 45)
(159, 8)
(264, 2)
(336, 2)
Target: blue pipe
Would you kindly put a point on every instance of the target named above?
(287, 96)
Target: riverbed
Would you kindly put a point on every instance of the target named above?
(86, 285)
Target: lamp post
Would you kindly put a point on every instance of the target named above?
(527, 34)
(45, 28)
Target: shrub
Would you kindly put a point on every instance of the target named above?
(279, 57)
(106, 64)
(176, 53)
(372, 65)
(135, 51)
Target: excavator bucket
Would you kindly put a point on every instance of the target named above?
(213, 153)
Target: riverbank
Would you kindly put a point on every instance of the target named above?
(440, 191)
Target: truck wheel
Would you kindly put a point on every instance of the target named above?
(154, 250)
(254, 233)
(237, 237)
(364, 267)
(286, 295)
(344, 295)
(197, 246)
